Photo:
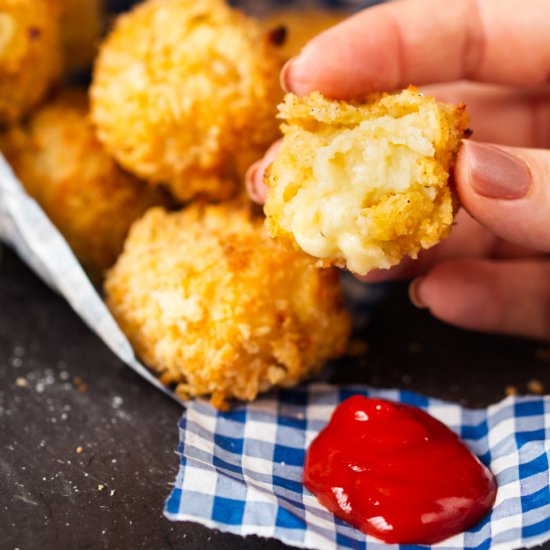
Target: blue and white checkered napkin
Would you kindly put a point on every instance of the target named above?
(241, 471)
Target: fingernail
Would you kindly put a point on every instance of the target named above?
(494, 173)
(254, 184)
(415, 293)
(250, 177)
(284, 76)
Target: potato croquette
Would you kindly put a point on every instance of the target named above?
(292, 29)
(361, 185)
(81, 26)
(30, 55)
(87, 196)
(180, 89)
(210, 302)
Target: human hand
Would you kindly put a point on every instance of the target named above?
(493, 272)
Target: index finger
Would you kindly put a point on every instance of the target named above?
(426, 41)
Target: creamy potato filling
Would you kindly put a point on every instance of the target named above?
(356, 170)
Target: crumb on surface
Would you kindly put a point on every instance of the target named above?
(21, 382)
(511, 390)
(535, 386)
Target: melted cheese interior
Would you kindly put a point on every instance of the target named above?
(358, 168)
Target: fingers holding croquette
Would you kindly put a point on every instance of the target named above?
(363, 184)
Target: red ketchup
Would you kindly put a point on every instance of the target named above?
(397, 473)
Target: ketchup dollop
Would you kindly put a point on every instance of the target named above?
(397, 473)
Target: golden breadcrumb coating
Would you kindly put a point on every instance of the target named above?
(81, 27)
(293, 28)
(86, 195)
(211, 303)
(30, 56)
(361, 185)
(180, 89)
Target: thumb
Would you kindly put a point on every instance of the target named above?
(507, 190)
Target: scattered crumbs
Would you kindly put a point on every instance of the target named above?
(415, 347)
(79, 450)
(80, 386)
(535, 386)
(43, 478)
(21, 382)
(510, 391)
(117, 402)
(543, 354)
(357, 348)
(42, 443)
(112, 493)
(103, 531)
(113, 460)
(39, 387)
(100, 487)
(64, 375)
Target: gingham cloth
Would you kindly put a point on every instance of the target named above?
(241, 471)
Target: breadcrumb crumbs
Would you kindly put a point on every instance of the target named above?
(21, 382)
(535, 386)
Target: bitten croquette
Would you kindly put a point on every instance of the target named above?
(361, 185)
(184, 94)
(30, 55)
(87, 196)
(210, 302)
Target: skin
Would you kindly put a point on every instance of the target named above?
(493, 273)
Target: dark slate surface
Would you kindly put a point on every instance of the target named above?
(61, 388)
